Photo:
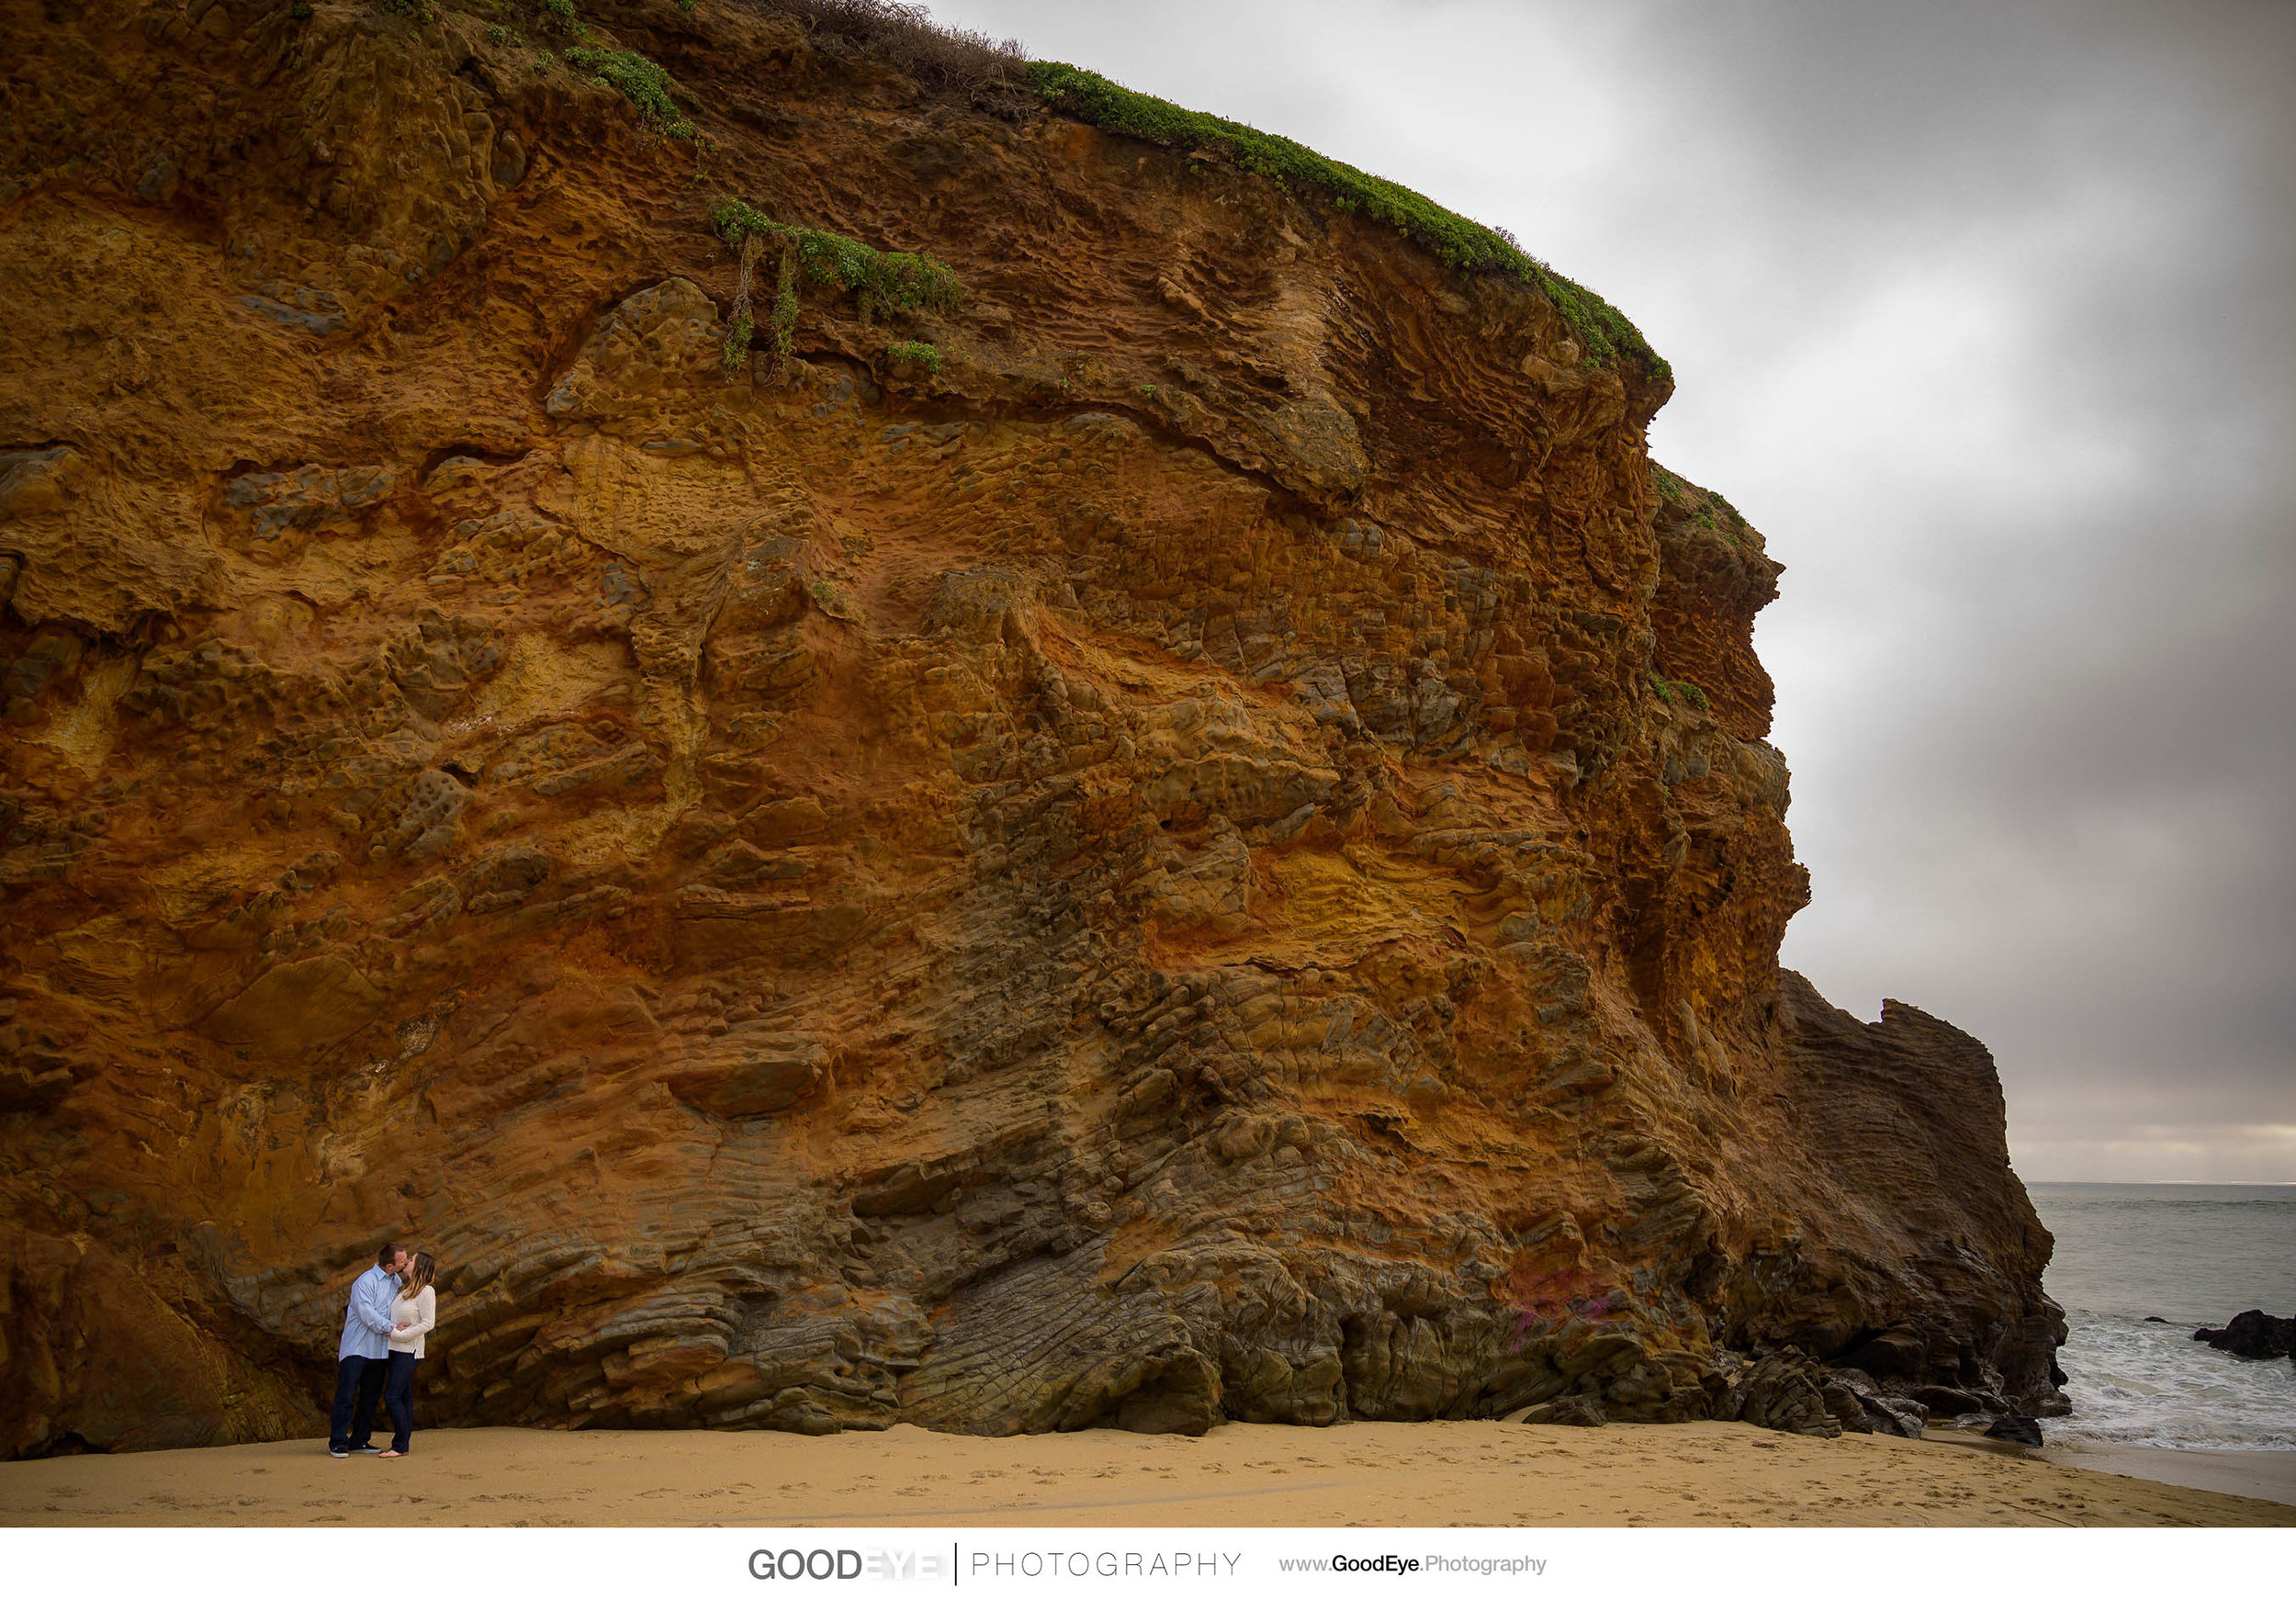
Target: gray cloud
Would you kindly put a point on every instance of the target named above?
(1983, 312)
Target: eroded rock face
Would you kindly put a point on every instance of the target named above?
(1170, 870)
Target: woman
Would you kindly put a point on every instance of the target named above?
(413, 1314)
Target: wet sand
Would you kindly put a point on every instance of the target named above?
(2258, 1473)
(1364, 1474)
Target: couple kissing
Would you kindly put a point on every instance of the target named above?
(392, 1307)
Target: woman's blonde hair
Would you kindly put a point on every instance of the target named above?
(419, 1275)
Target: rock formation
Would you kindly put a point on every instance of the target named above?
(2253, 1335)
(1187, 835)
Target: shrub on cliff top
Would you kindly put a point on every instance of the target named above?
(1602, 333)
(907, 39)
(644, 82)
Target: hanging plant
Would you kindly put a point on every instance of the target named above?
(883, 283)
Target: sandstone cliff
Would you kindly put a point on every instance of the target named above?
(1172, 823)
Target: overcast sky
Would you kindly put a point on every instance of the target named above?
(1982, 312)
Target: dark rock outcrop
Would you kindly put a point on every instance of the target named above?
(2016, 1430)
(1905, 1116)
(2253, 1335)
(1885, 1412)
(1948, 1401)
(1207, 852)
(1787, 1391)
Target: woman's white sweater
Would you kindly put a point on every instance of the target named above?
(419, 1314)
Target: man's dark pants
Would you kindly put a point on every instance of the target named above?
(358, 1384)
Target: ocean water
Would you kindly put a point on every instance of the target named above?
(2195, 1255)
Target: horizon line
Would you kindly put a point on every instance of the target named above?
(2164, 1182)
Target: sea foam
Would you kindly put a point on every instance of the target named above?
(2143, 1382)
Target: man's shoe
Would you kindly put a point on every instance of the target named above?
(338, 1452)
(367, 1449)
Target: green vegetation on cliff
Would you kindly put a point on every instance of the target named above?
(1604, 335)
(882, 282)
(903, 37)
(643, 82)
(1680, 691)
(923, 354)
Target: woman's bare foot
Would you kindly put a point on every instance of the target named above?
(392, 1455)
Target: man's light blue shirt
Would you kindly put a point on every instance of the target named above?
(366, 1324)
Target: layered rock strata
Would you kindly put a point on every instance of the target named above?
(1195, 843)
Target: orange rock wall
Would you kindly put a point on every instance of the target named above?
(1161, 872)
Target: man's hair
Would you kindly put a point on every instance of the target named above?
(386, 1255)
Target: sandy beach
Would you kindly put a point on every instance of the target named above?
(2256, 1473)
(1364, 1474)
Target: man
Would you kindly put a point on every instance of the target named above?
(363, 1359)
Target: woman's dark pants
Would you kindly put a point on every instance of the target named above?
(399, 1399)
